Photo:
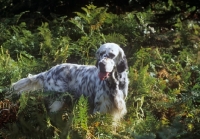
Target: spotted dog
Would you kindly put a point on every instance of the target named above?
(105, 85)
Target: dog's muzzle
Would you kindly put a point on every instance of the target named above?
(105, 67)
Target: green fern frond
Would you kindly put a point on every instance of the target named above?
(117, 38)
(81, 114)
(85, 17)
(46, 35)
(23, 101)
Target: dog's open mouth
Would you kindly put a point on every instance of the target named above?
(103, 75)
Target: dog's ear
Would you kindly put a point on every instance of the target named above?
(122, 64)
(97, 63)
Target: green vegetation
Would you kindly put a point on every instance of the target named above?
(163, 51)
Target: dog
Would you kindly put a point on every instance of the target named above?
(105, 85)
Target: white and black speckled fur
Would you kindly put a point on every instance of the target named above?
(105, 96)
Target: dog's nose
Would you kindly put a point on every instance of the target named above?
(102, 67)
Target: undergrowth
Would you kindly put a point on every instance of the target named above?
(164, 71)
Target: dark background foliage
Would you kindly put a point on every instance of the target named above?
(9, 8)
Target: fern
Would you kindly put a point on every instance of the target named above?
(117, 38)
(81, 115)
(23, 102)
(91, 21)
(142, 84)
(46, 35)
(20, 39)
(53, 49)
(163, 56)
(9, 69)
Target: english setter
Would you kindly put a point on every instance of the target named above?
(105, 85)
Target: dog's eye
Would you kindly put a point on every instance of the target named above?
(111, 55)
(102, 53)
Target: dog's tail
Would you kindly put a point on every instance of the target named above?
(31, 83)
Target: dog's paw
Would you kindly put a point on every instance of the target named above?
(56, 106)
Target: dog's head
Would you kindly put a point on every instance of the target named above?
(109, 57)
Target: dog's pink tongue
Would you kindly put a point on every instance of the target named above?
(103, 75)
